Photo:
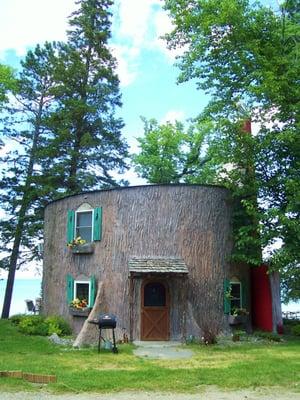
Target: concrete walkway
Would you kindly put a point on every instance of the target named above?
(161, 350)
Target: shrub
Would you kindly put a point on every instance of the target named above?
(39, 325)
(16, 319)
(58, 325)
(209, 333)
(33, 325)
(272, 337)
(295, 330)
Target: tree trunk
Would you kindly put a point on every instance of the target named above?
(89, 332)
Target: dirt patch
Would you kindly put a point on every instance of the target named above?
(208, 393)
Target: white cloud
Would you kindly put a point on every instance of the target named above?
(127, 66)
(173, 116)
(135, 18)
(138, 25)
(26, 23)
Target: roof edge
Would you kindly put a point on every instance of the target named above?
(137, 187)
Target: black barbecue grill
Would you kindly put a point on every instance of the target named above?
(106, 321)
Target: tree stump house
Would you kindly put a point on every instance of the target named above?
(160, 253)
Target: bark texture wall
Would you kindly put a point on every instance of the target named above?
(190, 222)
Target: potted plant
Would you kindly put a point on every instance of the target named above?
(80, 246)
(79, 308)
(238, 316)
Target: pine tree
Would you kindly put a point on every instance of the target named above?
(22, 185)
(87, 143)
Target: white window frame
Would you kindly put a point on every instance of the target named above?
(75, 290)
(79, 211)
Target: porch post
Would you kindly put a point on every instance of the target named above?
(131, 287)
(184, 310)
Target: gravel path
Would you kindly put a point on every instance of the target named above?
(210, 393)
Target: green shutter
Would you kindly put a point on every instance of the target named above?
(227, 307)
(245, 295)
(70, 289)
(92, 291)
(70, 225)
(97, 223)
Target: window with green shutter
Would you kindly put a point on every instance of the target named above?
(86, 223)
(92, 291)
(81, 290)
(97, 231)
(70, 289)
(70, 225)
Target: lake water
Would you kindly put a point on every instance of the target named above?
(23, 289)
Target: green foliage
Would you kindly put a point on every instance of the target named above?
(295, 330)
(33, 325)
(87, 141)
(272, 337)
(171, 154)
(58, 325)
(39, 325)
(16, 319)
(244, 52)
(7, 82)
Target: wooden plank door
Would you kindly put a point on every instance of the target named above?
(155, 311)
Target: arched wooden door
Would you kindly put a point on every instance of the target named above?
(155, 311)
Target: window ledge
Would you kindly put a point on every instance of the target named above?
(86, 248)
(76, 312)
(237, 319)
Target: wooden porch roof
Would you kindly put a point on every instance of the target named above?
(157, 266)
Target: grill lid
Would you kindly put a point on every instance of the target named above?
(107, 321)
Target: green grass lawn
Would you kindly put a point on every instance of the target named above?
(235, 366)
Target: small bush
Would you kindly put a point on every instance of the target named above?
(295, 330)
(33, 325)
(16, 319)
(39, 325)
(58, 325)
(272, 337)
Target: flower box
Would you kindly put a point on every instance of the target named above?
(237, 319)
(80, 312)
(86, 248)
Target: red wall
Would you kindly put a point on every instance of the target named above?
(261, 299)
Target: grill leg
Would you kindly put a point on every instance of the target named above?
(115, 350)
(99, 340)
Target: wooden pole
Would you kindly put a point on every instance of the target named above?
(184, 311)
(131, 288)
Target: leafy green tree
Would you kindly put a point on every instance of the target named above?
(87, 144)
(7, 82)
(169, 154)
(22, 186)
(241, 51)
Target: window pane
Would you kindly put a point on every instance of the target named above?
(84, 219)
(236, 290)
(82, 291)
(154, 295)
(236, 296)
(84, 225)
(84, 233)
